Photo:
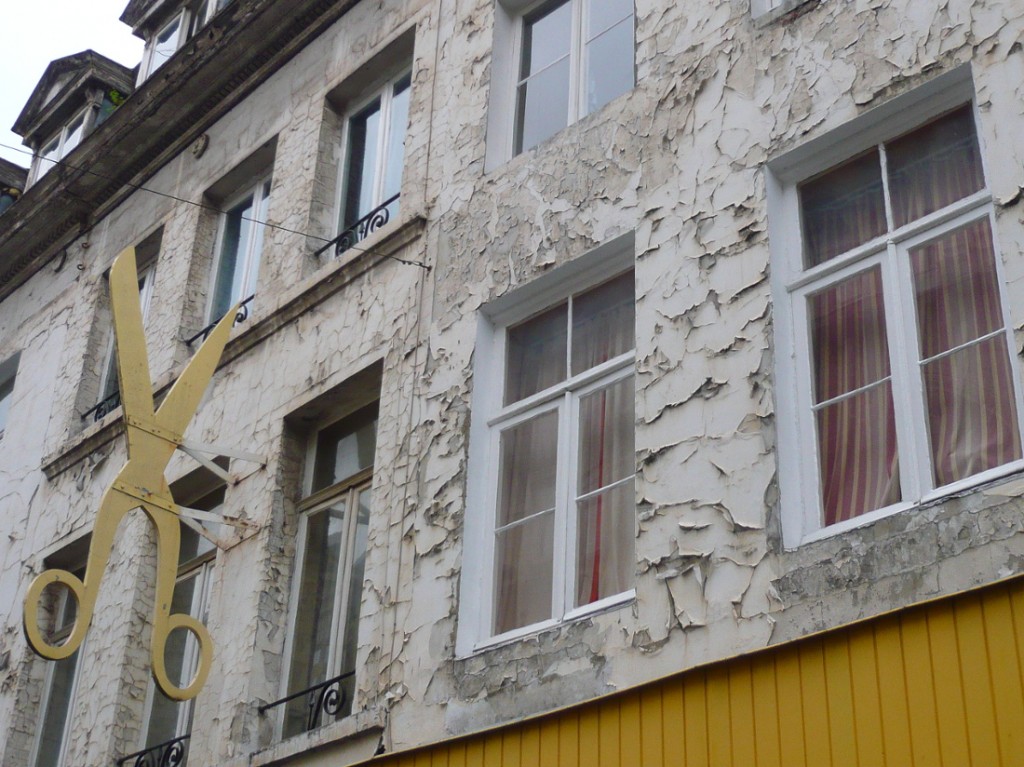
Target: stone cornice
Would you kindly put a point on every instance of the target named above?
(239, 49)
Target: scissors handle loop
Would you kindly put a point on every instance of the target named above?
(33, 601)
(162, 628)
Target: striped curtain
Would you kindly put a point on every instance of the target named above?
(853, 395)
(965, 363)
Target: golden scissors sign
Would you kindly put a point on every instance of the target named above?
(153, 436)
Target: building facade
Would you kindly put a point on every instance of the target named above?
(586, 353)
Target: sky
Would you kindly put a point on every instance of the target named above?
(35, 32)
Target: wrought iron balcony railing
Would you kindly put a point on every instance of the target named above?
(362, 228)
(171, 753)
(240, 317)
(327, 698)
(103, 407)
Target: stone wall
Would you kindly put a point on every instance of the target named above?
(677, 168)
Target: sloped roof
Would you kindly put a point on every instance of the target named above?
(59, 89)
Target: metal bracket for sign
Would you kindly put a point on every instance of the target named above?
(193, 518)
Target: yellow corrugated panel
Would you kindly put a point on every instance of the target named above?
(936, 685)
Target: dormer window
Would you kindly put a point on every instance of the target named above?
(185, 23)
(60, 146)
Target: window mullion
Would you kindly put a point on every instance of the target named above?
(908, 392)
(345, 548)
(890, 224)
(807, 422)
(293, 609)
(383, 139)
(576, 94)
(563, 568)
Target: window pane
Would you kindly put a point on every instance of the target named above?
(529, 454)
(972, 413)
(318, 587)
(231, 267)
(396, 140)
(73, 135)
(106, 109)
(606, 437)
(601, 14)
(163, 717)
(843, 208)
(543, 106)
(345, 448)
(58, 703)
(363, 140)
(255, 248)
(166, 44)
(48, 156)
(524, 572)
(609, 67)
(957, 289)
(602, 323)
(858, 454)
(355, 589)
(546, 39)
(535, 358)
(605, 531)
(849, 336)
(934, 166)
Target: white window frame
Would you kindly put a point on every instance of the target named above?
(491, 417)
(313, 502)
(386, 93)
(510, 25)
(8, 379)
(250, 256)
(147, 276)
(792, 283)
(44, 165)
(149, 64)
(51, 669)
(202, 569)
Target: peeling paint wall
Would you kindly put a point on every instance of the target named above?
(679, 162)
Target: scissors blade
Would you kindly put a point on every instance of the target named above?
(132, 361)
(183, 399)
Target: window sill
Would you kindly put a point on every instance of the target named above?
(312, 291)
(1005, 480)
(607, 605)
(350, 740)
(330, 278)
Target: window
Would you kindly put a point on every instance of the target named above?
(574, 57)
(558, 440)
(239, 245)
(374, 152)
(908, 388)
(335, 515)
(176, 32)
(167, 719)
(8, 372)
(61, 676)
(60, 146)
(145, 258)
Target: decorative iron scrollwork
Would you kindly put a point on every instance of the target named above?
(327, 698)
(104, 406)
(171, 753)
(361, 229)
(240, 316)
